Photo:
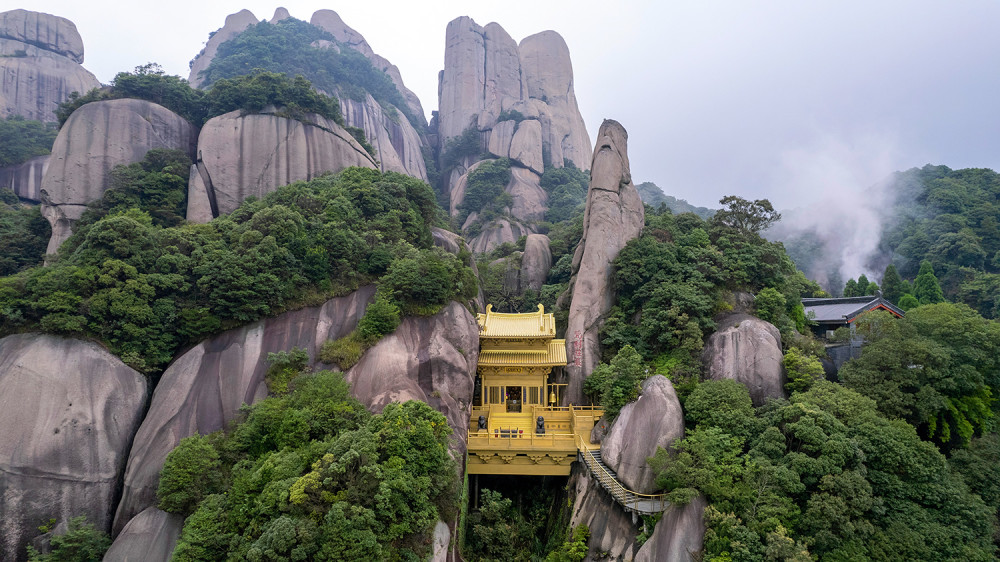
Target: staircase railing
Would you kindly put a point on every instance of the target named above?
(646, 504)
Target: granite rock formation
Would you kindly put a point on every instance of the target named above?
(40, 56)
(69, 410)
(521, 100)
(149, 537)
(244, 155)
(97, 137)
(612, 532)
(25, 179)
(679, 536)
(398, 144)
(748, 350)
(204, 388)
(613, 216)
(431, 359)
(654, 420)
(451, 242)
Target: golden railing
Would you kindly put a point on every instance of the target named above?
(646, 504)
(522, 441)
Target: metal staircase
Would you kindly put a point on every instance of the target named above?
(634, 502)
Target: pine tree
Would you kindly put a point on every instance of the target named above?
(892, 285)
(863, 285)
(926, 288)
(851, 288)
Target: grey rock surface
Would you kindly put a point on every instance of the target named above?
(654, 420)
(679, 536)
(497, 232)
(69, 410)
(612, 533)
(486, 78)
(529, 199)
(614, 215)
(397, 144)
(34, 86)
(46, 31)
(99, 136)
(746, 349)
(451, 242)
(150, 536)
(205, 387)
(25, 179)
(535, 262)
(431, 359)
(244, 155)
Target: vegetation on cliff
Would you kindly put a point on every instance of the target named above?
(24, 234)
(23, 138)
(145, 288)
(290, 46)
(313, 476)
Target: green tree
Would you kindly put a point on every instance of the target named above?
(770, 304)
(936, 368)
(801, 369)
(190, 473)
(83, 542)
(892, 284)
(22, 139)
(618, 383)
(908, 302)
(926, 288)
(748, 217)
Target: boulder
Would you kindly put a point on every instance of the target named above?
(748, 350)
(501, 136)
(442, 540)
(34, 86)
(529, 200)
(45, 31)
(497, 232)
(679, 536)
(431, 359)
(244, 155)
(654, 420)
(613, 216)
(204, 388)
(25, 179)
(397, 144)
(99, 136)
(612, 532)
(235, 24)
(535, 263)
(149, 537)
(61, 218)
(548, 76)
(69, 410)
(526, 145)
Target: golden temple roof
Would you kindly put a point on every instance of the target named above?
(554, 356)
(507, 325)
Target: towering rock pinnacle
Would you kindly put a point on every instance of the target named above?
(521, 101)
(40, 56)
(614, 215)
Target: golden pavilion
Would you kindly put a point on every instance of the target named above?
(517, 425)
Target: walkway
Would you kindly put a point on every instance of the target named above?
(643, 504)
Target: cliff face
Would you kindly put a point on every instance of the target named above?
(614, 215)
(398, 145)
(520, 99)
(68, 410)
(96, 138)
(40, 56)
(244, 155)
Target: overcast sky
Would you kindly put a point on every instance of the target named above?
(787, 100)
